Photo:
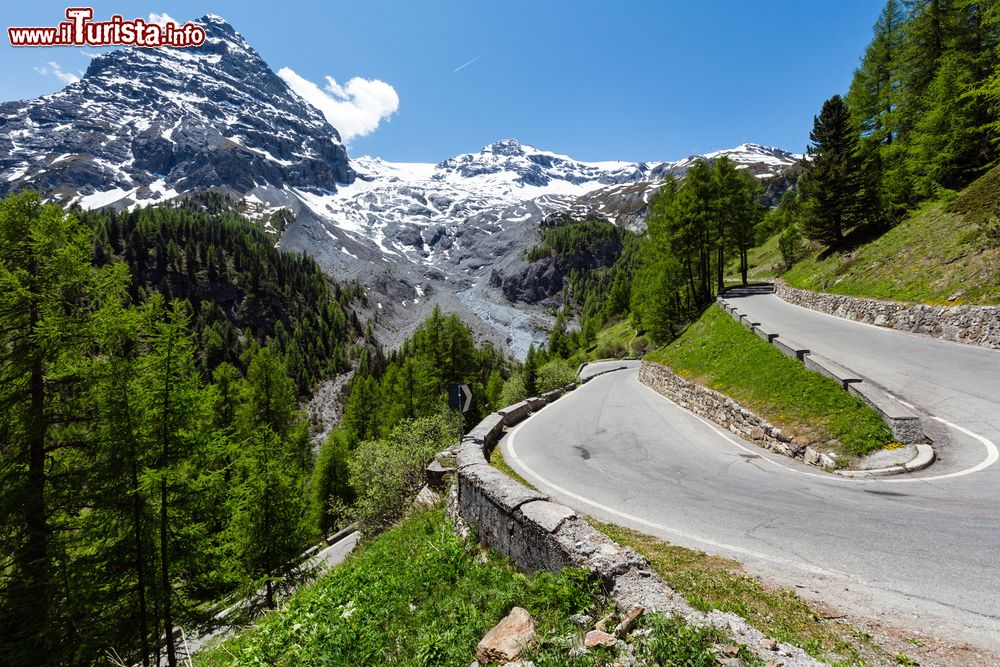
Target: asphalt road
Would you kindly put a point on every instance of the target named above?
(919, 550)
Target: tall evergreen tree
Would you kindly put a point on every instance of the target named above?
(330, 482)
(740, 212)
(531, 372)
(173, 420)
(874, 99)
(269, 511)
(121, 521)
(830, 177)
(691, 223)
(49, 295)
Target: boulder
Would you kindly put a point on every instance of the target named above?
(628, 623)
(508, 638)
(597, 638)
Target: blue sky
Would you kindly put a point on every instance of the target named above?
(596, 80)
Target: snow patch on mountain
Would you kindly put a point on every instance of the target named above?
(146, 125)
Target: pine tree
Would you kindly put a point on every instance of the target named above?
(494, 387)
(172, 422)
(530, 372)
(987, 91)
(361, 412)
(690, 216)
(557, 337)
(875, 87)
(739, 212)
(121, 521)
(874, 100)
(330, 483)
(830, 177)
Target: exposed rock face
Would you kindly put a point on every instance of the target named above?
(146, 124)
(507, 639)
(532, 282)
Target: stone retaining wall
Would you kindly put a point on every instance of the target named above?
(903, 421)
(727, 413)
(538, 534)
(973, 325)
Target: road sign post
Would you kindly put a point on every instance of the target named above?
(459, 400)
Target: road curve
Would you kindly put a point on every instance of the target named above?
(920, 554)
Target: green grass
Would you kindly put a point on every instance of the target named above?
(616, 341)
(718, 352)
(498, 462)
(938, 255)
(711, 582)
(981, 198)
(420, 595)
(930, 257)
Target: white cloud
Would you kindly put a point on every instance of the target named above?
(160, 19)
(356, 109)
(53, 69)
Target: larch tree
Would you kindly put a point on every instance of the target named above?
(49, 296)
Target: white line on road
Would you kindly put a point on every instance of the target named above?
(992, 454)
(798, 565)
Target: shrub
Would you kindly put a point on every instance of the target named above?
(386, 473)
(556, 373)
(791, 245)
(513, 390)
(640, 345)
(611, 349)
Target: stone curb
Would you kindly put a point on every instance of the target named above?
(538, 534)
(605, 372)
(924, 457)
(579, 369)
(904, 422)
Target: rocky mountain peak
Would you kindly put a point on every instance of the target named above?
(506, 147)
(146, 124)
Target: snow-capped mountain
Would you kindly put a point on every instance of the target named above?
(145, 125)
(456, 231)
(414, 209)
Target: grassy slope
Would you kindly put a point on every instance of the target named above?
(419, 595)
(614, 341)
(936, 253)
(712, 582)
(718, 352)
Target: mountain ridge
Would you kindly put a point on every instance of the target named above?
(145, 126)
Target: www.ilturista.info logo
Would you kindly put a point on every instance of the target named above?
(80, 30)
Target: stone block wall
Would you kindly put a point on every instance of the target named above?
(970, 324)
(539, 534)
(721, 409)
